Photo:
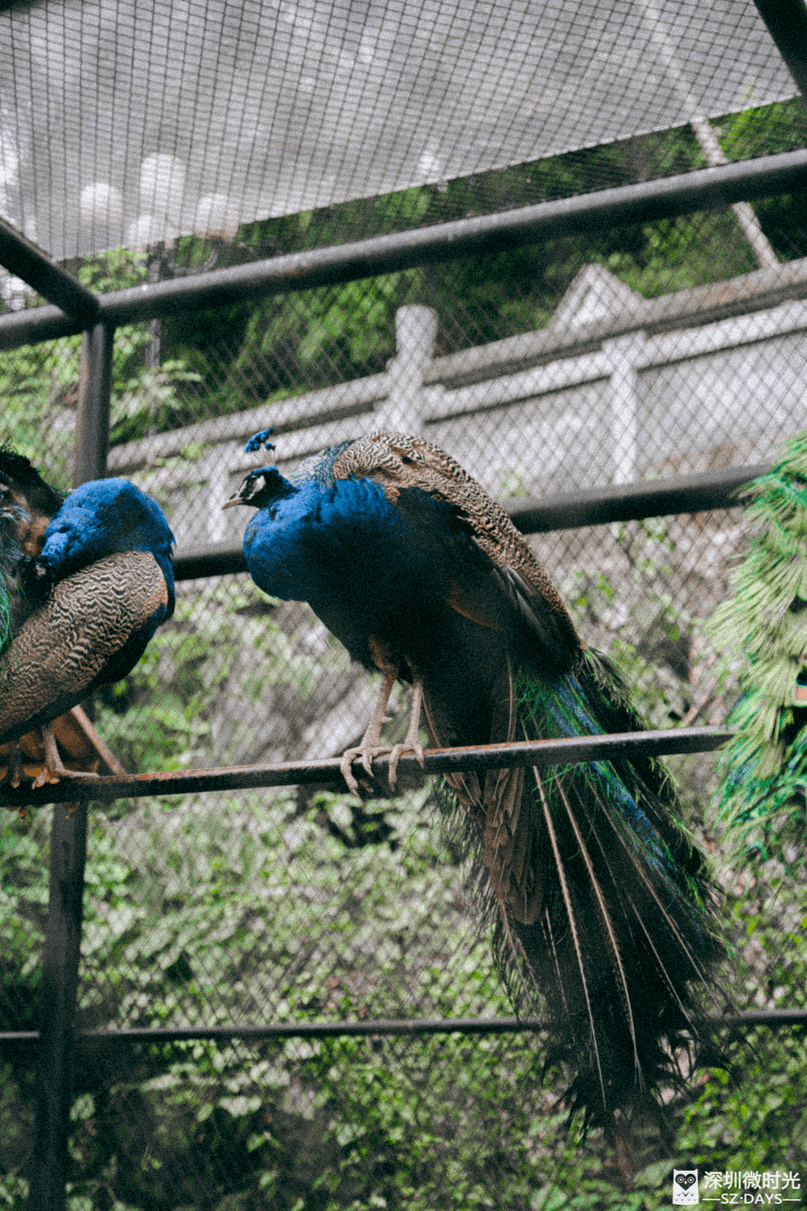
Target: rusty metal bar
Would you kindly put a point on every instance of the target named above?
(94, 401)
(567, 751)
(631, 502)
(68, 852)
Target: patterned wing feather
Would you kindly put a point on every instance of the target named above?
(91, 630)
(399, 462)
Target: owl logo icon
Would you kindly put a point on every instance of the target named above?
(685, 1187)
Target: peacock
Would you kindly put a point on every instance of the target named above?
(605, 915)
(761, 629)
(27, 503)
(86, 582)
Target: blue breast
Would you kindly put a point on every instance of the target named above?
(345, 538)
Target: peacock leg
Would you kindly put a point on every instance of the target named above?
(54, 769)
(411, 741)
(15, 772)
(370, 745)
(102, 749)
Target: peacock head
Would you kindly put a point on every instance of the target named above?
(261, 488)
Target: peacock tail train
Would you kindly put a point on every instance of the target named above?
(618, 943)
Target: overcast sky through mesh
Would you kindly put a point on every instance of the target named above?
(125, 123)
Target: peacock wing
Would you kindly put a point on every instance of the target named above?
(91, 630)
(522, 588)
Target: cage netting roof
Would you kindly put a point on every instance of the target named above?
(125, 122)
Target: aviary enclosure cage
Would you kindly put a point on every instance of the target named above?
(569, 242)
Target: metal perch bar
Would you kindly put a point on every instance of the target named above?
(437, 761)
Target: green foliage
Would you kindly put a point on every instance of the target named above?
(114, 270)
(163, 714)
(39, 383)
(646, 633)
(238, 908)
(38, 386)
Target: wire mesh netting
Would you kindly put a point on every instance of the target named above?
(306, 905)
(130, 123)
(220, 134)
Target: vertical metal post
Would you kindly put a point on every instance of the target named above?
(94, 395)
(60, 959)
(68, 850)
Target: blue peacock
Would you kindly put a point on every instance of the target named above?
(605, 916)
(85, 583)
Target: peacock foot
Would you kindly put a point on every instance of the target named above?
(52, 776)
(53, 769)
(367, 753)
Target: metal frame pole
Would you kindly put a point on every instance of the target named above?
(60, 960)
(26, 260)
(703, 189)
(68, 851)
(94, 401)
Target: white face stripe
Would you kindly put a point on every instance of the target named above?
(256, 484)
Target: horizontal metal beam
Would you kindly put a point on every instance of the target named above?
(569, 751)
(95, 1040)
(642, 202)
(564, 511)
(27, 261)
(211, 559)
(632, 502)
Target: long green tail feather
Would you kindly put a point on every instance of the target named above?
(9, 560)
(627, 933)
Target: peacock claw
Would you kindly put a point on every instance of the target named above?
(53, 769)
(407, 746)
(366, 754)
(371, 747)
(53, 776)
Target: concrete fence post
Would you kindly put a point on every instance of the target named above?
(415, 338)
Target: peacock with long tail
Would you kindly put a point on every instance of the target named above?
(605, 914)
(84, 584)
